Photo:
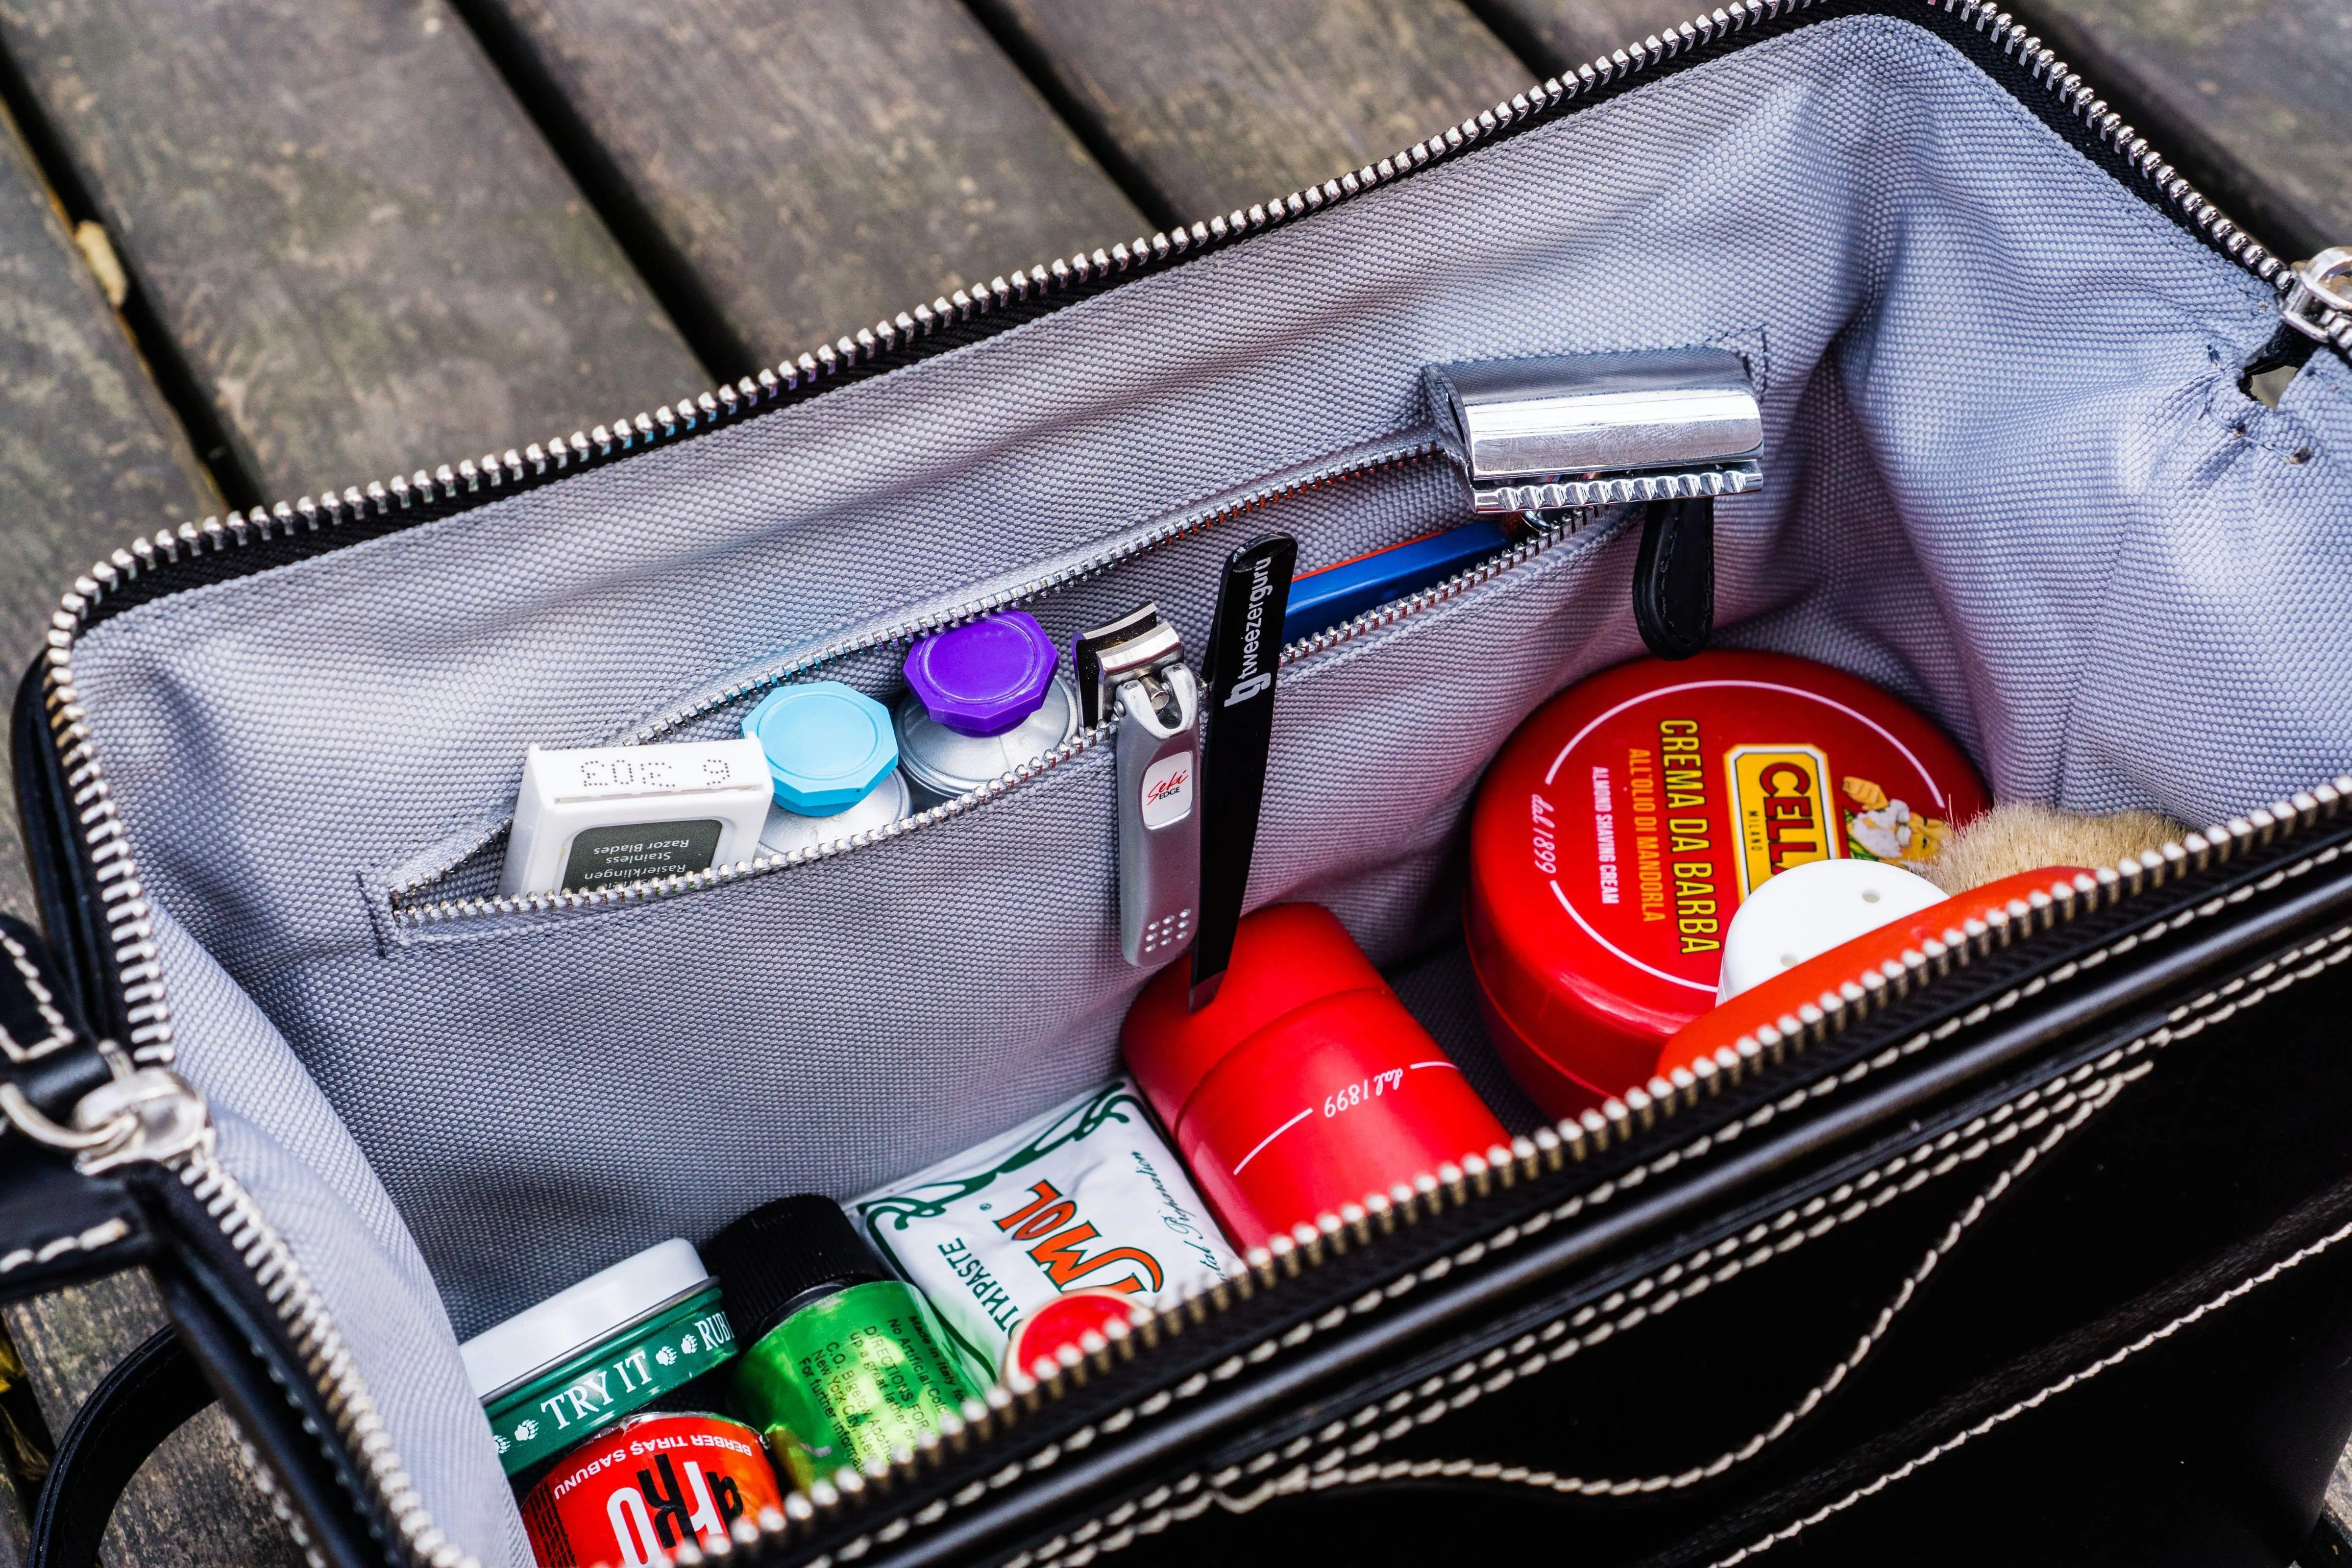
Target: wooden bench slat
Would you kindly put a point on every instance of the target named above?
(1217, 104)
(821, 166)
(191, 1505)
(90, 454)
(366, 254)
(1561, 35)
(2250, 101)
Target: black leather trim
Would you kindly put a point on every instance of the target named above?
(234, 1331)
(244, 1349)
(2123, 967)
(1673, 577)
(2329, 1544)
(57, 1225)
(70, 907)
(150, 1395)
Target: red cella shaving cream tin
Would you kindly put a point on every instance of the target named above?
(1624, 822)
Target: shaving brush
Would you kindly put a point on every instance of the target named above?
(2019, 835)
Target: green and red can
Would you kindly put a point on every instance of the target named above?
(632, 1496)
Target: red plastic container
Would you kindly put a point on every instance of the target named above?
(1620, 827)
(1306, 1086)
(1066, 1323)
(638, 1491)
(1781, 995)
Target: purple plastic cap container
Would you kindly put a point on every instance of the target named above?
(985, 678)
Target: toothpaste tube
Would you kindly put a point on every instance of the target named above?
(1085, 1197)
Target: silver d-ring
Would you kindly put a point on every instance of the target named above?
(28, 1118)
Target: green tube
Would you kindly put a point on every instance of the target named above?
(848, 1378)
(841, 1363)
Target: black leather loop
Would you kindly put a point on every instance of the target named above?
(1673, 577)
(148, 1396)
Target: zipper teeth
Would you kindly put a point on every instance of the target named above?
(129, 928)
(475, 481)
(1456, 1184)
(1077, 746)
(1386, 459)
(319, 1347)
(1401, 454)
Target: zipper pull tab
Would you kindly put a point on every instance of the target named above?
(1134, 669)
(1555, 440)
(2322, 284)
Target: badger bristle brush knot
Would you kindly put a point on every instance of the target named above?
(2021, 835)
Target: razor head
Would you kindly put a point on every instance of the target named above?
(1583, 430)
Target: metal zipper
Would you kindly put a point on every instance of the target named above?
(1636, 1113)
(408, 911)
(172, 559)
(972, 314)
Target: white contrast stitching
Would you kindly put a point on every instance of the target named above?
(2183, 1022)
(1371, 1299)
(2034, 1401)
(59, 1034)
(2153, 862)
(1323, 1471)
(1458, 1392)
(104, 1234)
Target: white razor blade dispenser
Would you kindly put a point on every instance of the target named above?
(609, 816)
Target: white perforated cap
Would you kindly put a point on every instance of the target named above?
(573, 1319)
(1808, 910)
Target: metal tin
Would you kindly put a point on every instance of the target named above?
(656, 1483)
(1620, 827)
(943, 761)
(588, 1355)
(887, 803)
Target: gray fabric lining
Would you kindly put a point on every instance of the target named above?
(2010, 477)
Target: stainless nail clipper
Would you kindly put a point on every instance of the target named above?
(1134, 669)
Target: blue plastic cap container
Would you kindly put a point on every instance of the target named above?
(827, 745)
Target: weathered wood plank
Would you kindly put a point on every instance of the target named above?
(1554, 36)
(27, 1441)
(817, 166)
(1216, 104)
(366, 254)
(2246, 96)
(2337, 1502)
(191, 1505)
(88, 453)
(2249, 97)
